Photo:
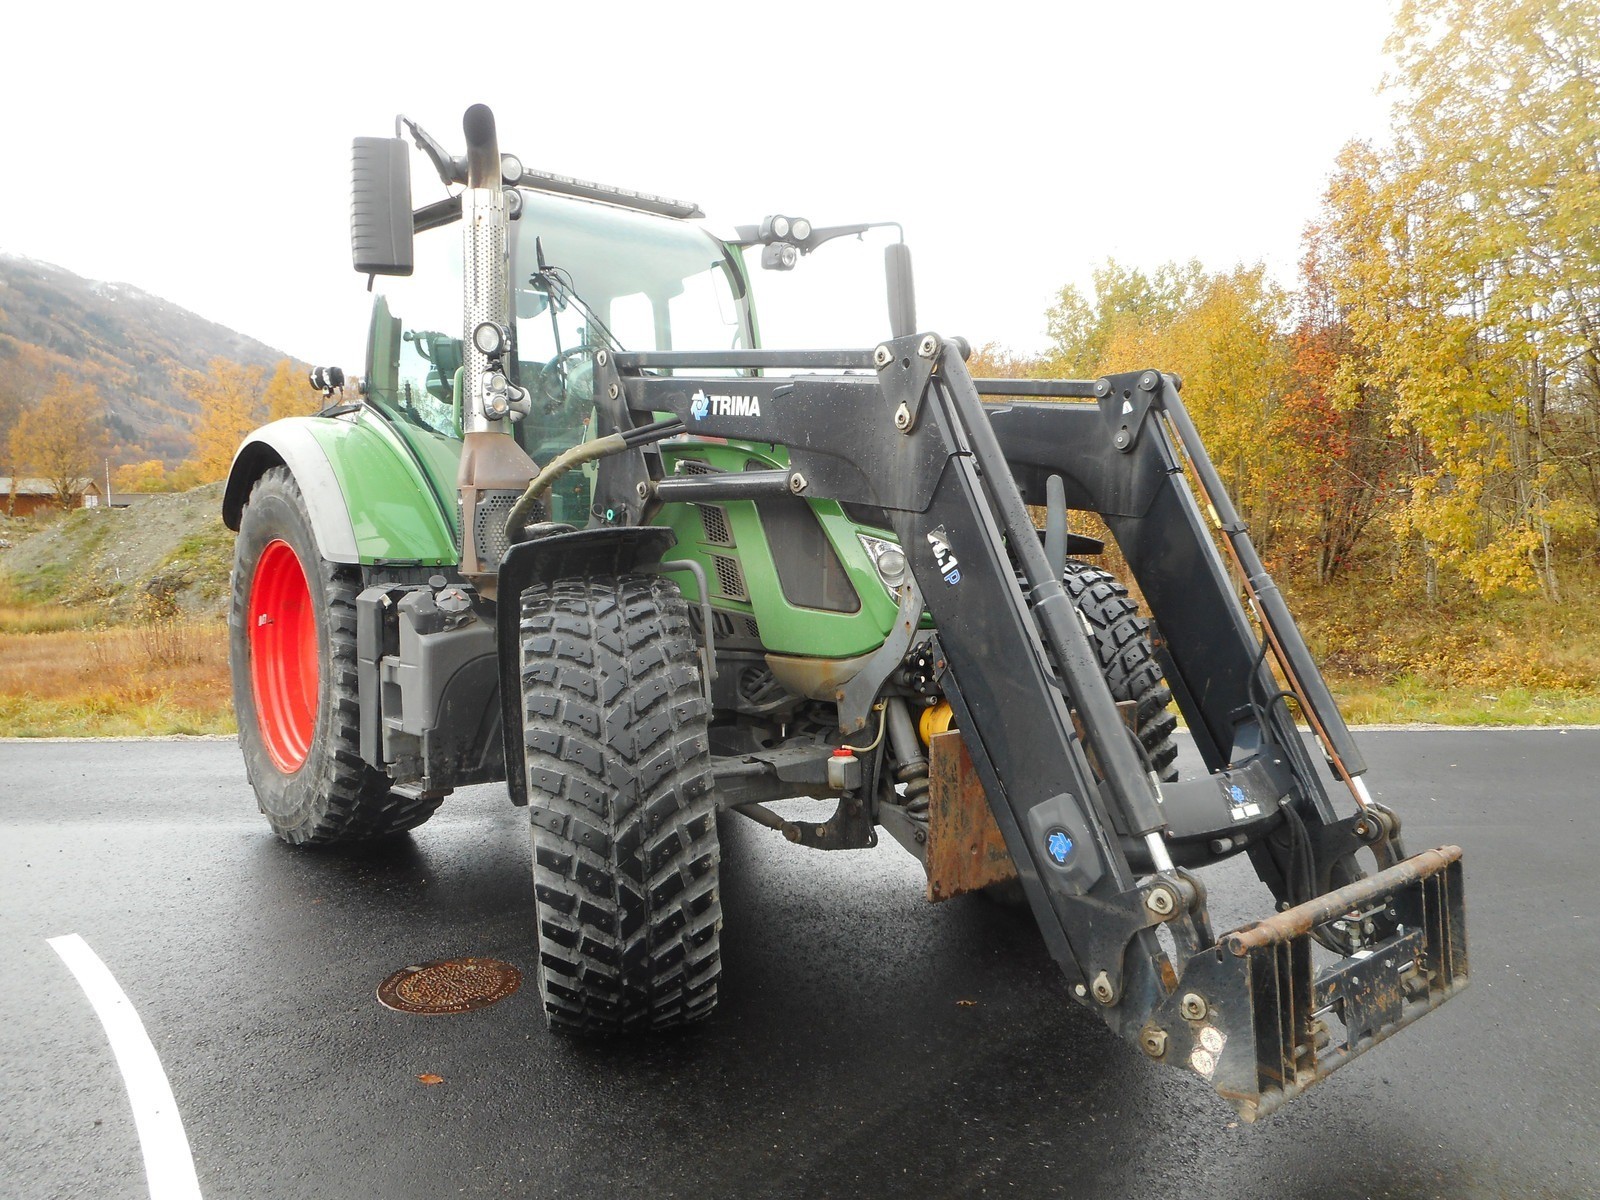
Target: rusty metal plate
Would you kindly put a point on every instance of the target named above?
(965, 848)
(453, 985)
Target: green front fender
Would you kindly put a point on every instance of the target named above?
(371, 496)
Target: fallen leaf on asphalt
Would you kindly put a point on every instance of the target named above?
(966, 1004)
(430, 1080)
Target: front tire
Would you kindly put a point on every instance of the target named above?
(1127, 657)
(623, 813)
(1122, 642)
(292, 653)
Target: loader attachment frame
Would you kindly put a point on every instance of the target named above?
(1097, 844)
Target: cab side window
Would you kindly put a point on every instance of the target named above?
(415, 346)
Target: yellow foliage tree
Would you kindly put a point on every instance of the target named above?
(1221, 333)
(289, 393)
(994, 361)
(1126, 300)
(60, 438)
(147, 476)
(1470, 269)
(21, 381)
(230, 398)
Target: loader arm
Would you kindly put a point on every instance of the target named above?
(1096, 846)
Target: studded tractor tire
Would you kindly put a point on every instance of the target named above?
(292, 653)
(1122, 642)
(625, 851)
(1127, 656)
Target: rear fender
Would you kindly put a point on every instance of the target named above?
(368, 498)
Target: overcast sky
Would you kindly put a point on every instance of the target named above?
(203, 155)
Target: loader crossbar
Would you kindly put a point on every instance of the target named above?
(1091, 835)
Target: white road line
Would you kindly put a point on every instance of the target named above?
(167, 1162)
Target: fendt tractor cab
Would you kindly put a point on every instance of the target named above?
(577, 531)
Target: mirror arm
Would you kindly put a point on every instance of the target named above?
(451, 169)
(441, 212)
(750, 235)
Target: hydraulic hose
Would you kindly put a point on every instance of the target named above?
(557, 467)
(583, 452)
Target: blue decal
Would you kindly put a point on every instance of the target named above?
(1059, 845)
(1239, 798)
(699, 406)
(953, 578)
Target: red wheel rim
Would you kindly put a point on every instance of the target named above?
(283, 656)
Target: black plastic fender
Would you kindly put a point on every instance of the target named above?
(607, 550)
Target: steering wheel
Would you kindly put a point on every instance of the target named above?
(553, 375)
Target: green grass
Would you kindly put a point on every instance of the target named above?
(43, 618)
(1408, 701)
(203, 558)
(112, 716)
(42, 586)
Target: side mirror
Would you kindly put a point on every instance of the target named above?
(380, 206)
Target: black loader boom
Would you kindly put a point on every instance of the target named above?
(1101, 846)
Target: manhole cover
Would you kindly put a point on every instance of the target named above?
(456, 985)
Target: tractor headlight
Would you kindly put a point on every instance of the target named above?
(780, 227)
(801, 229)
(490, 339)
(888, 559)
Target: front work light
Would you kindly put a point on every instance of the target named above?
(491, 339)
(779, 256)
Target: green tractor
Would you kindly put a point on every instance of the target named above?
(579, 532)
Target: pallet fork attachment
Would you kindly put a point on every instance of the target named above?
(1100, 846)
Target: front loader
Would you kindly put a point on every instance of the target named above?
(579, 532)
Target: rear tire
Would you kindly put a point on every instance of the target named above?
(624, 833)
(292, 653)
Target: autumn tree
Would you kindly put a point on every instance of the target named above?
(60, 438)
(1470, 250)
(230, 397)
(1219, 331)
(1125, 301)
(289, 393)
(147, 476)
(994, 361)
(1338, 423)
(21, 384)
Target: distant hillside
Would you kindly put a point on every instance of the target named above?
(174, 545)
(130, 344)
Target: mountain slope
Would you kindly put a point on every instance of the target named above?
(128, 343)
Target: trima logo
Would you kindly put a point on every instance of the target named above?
(701, 406)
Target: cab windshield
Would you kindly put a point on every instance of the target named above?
(647, 283)
(584, 276)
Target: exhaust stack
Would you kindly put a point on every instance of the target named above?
(494, 468)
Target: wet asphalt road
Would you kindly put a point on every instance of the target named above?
(841, 1061)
